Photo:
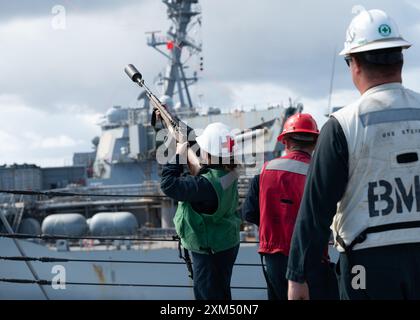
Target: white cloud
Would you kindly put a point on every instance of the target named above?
(31, 135)
(260, 95)
(62, 141)
(9, 144)
(412, 79)
(319, 107)
(246, 96)
(414, 4)
(55, 83)
(83, 64)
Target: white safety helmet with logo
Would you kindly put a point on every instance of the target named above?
(217, 140)
(373, 30)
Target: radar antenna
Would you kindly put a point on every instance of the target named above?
(182, 13)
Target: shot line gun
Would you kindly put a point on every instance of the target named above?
(177, 129)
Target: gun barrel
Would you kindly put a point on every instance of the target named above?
(250, 134)
(172, 122)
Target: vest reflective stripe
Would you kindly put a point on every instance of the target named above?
(288, 165)
(382, 129)
(227, 180)
(387, 116)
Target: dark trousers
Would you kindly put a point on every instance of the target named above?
(391, 273)
(212, 274)
(322, 281)
(276, 266)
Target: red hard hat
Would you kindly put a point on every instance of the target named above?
(299, 123)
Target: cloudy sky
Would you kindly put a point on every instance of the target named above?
(55, 83)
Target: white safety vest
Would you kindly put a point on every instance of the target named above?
(382, 130)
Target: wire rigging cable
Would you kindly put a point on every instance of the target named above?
(48, 283)
(73, 194)
(104, 238)
(54, 260)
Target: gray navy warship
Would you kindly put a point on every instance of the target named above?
(120, 202)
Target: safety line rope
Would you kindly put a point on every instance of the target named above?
(60, 260)
(48, 282)
(72, 194)
(50, 237)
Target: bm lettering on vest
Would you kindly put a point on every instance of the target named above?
(397, 197)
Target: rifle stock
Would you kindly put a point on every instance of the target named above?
(177, 129)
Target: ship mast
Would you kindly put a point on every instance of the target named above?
(184, 14)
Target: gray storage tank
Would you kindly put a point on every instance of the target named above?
(30, 226)
(113, 224)
(68, 224)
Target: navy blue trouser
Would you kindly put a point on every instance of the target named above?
(322, 281)
(391, 273)
(212, 274)
(276, 266)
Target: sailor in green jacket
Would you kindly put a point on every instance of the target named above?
(206, 219)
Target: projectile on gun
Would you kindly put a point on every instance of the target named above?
(136, 76)
(179, 130)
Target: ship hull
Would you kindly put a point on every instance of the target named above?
(119, 273)
(153, 274)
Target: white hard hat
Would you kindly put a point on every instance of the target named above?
(372, 30)
(217, 140)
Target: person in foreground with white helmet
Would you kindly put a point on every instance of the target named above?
(273, 202)
(206, 219)
(367, 161)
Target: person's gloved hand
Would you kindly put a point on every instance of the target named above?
(158, 116)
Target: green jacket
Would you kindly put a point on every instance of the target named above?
(204, 233)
